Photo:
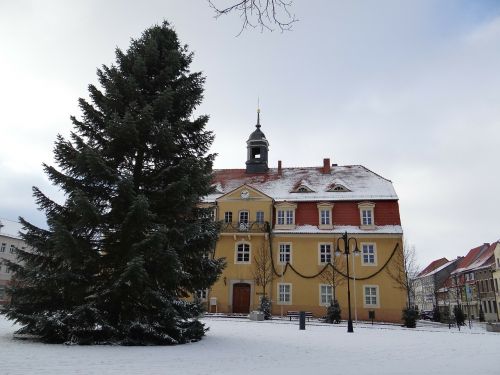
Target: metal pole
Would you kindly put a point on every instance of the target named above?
(349, 322)
(354, 283)
(467, 303)
(279, 294)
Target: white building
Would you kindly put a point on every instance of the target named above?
(9, 241)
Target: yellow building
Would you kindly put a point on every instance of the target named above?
(281, 227)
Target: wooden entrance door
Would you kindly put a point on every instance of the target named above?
(241, 298)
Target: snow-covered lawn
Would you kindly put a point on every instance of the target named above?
(278, 347)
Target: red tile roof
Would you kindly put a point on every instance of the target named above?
(486, 258)
(432, 266)
(471, 257)
(360, 183)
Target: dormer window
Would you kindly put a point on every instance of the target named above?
(366, 215)
(325, 215)
(336, 188)
(285, 215)
(302, 188)
(339, 188)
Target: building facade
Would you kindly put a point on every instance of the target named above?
(430, 280)
(9, 241)
(280, 229)
(496, 276)
(471, 285)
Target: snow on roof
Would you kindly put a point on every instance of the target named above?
(436, 270)
(466, 263)
(432, 266)
(10, 228)
(485, 259)
(362, 183)
(312, 229)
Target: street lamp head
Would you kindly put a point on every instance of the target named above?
(356, 250)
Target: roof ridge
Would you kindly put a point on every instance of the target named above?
(369, 170)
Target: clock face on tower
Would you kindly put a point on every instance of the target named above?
(245, 194)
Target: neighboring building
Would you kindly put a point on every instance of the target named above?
(293, 217)
(496, 276)
(470, 285)
(9, 241)
(485, 286)
(430, 280)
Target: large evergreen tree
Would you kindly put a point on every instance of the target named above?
(129, 244)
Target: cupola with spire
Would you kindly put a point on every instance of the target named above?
(257, 149)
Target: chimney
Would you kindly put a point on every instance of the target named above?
(326, 166)
(279, 167)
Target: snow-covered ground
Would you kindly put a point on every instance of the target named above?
(239, 346)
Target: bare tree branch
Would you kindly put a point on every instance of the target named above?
(260, 13)
(263, 267)
(403, 269)
(332, 277)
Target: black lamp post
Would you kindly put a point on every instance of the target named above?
(346, 252)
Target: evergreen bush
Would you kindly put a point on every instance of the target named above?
(410, 316)
(265, 307)
(459, 315)
(333, 312)
(436, 314)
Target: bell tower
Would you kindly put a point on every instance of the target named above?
(257, 149)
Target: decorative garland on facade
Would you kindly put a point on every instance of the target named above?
(288, 265)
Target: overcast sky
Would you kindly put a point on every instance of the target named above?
(409, 89)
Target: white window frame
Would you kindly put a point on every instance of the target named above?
(245, 220)
(365, 207)
(280, 217)
(367, 244)
(283, 293)
(2, 247)
(228, 215)
(325, 291)
(366, 215)
(244, 224)
(258, 219)
(320, 253)
(282, 254)
(237, 251)
(285, 215)
(325, 211)
(12, 248)
(377, 296)
(325, 217)
(202, 294)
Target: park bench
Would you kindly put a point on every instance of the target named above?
(296, 314)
